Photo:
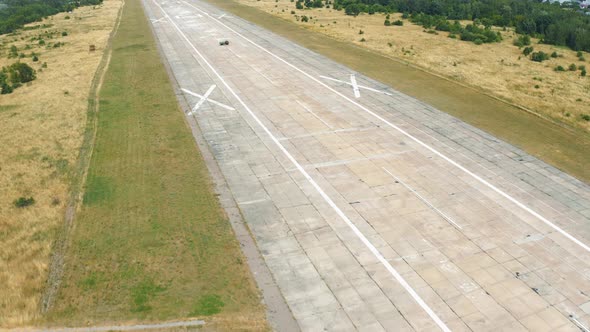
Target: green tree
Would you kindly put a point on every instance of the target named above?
(21, 73)
(352, 10)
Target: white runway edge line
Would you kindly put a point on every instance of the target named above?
(428, 147)
(328, 200)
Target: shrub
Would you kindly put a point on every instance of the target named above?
(522, 41)
(387, 22)
(582, 58)
(304, 18)
(527, 50)
(13, 53)
(361, 32)
(65, 33)
(559, 68)
(22, 202)
(579, 54)
(573, 67)
(554, 54)
(539, 56)
(21, 73)
(398, 23)
(35, 58)
(583, 73)
(585, 117)
(363, 40)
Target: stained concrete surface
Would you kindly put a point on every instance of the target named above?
(343, 195)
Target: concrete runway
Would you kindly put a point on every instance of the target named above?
(372, 210)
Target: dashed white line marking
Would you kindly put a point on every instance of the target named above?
(312, 113)
(221, 16)
(416, 140)
(253, 201)
(360, 86)
(424, 200)
(209, 100)
(326, 132)
(320, 191)
(355, 86)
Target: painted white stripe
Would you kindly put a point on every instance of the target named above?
(360, 86)
(312, 113)
(328, 200)
(253, 201)
(418, 141)
(327, 132)
(355, 86)
(424, 200)
(209, 100)
(203, 98)
(158, 20)
(580, 325)
(221, 16)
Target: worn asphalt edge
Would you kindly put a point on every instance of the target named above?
(278, 313)
(61, 244)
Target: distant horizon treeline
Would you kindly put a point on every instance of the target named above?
(16, 13)
(553, 23)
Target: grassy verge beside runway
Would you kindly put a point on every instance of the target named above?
(564, 148)
(151, 241)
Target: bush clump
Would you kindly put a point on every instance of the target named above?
(522, 41)
(15, 75)
(539, 56)
(527, 50)
(23, 202)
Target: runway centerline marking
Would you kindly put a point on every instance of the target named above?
(320, 191)
(206, 98)
(418, 141)
(312, 113)
(355, 87)
(359, 86)
(424, 200)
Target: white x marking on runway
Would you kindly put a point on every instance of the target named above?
(204, 98)
(358, 86)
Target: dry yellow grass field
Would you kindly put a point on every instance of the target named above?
(41, 131)
(498, 69)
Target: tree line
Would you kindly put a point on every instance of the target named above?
(16, 13)
(554, 24)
